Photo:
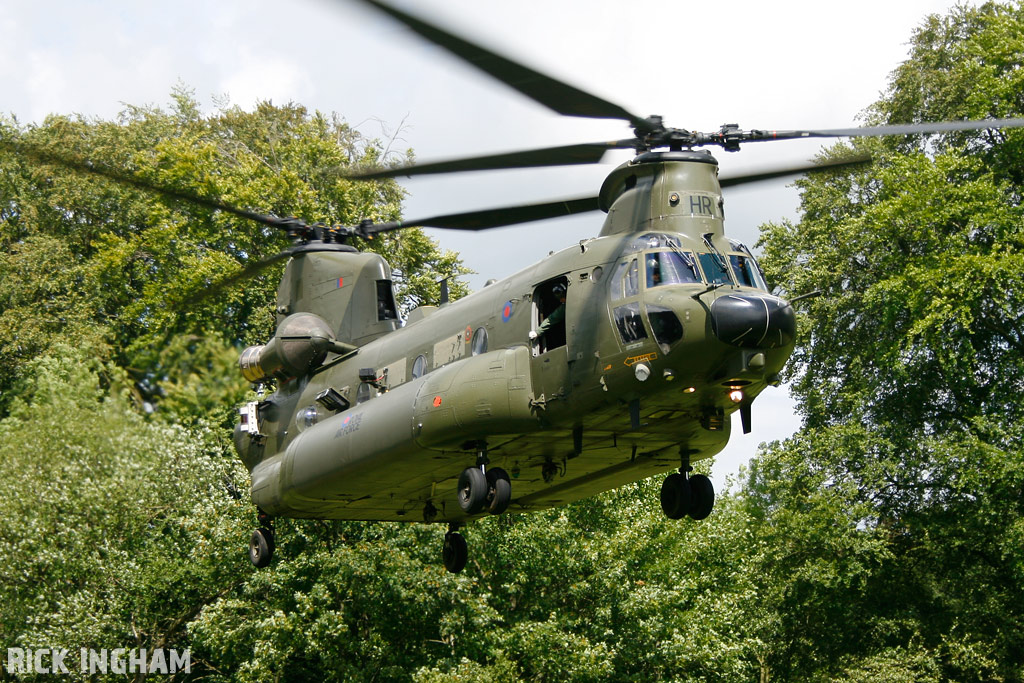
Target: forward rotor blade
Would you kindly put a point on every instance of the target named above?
(493, 218)
(796, 169)
(81, 165)
(566, 155)
(894, 129)
(552, 93)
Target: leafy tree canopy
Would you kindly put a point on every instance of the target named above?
(87, 260)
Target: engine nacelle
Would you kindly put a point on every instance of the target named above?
(300, 345)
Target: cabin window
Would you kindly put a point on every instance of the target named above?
(386, 309)
(747, 272)
(419, 366)
(671, 268)
(714, 269)
(629, 323)
(479, 343)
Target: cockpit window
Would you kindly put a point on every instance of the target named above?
(747, 272)
(653, 240)
(714, 270)
(631, 280)
(671, 268)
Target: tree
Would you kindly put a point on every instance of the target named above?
(908, 373)
(133, 263)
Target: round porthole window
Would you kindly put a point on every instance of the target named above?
(479, 343)
(419, 366)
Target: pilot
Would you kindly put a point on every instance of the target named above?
(556, 316)
(653, 272)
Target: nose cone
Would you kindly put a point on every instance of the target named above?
(753, 321)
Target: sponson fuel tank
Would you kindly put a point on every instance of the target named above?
(355, 453)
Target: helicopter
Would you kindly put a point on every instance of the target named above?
(612, 360)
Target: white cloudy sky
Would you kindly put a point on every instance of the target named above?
(776, 65)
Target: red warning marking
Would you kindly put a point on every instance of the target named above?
(437, 401)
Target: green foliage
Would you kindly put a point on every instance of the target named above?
(125, 269)
(883, 542)
(114, 531)
(908, 372)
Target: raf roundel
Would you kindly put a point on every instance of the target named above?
(506, 311)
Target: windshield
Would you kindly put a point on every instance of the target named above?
(714, 269)
(671, 268)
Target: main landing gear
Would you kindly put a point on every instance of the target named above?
(478, 489)
(682, 495)
(261, 543)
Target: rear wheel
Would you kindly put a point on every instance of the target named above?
(261, 547)
(455, 552)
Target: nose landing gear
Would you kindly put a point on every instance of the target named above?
(682, 495)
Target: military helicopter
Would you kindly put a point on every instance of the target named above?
(612, 360)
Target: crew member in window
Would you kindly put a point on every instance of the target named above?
(554, 320)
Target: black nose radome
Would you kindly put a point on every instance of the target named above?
(757, 322)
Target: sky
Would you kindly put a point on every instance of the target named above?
(788, 64)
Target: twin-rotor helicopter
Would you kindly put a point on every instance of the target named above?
(610, 361)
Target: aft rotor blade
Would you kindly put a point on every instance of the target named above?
(551, 92)
(251, 270)
(565, 155)
(795, 169)
(81, 165)
(894, 129)
(493, 218)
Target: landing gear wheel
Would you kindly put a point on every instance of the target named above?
(261, 547)
(472, 490)
(702, 493)
(675, 496)
(499, 491)
(455, 552)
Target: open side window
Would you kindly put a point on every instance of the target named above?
(549, 300)
(386, 309)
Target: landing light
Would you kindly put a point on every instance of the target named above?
(689, 390)
(736, 396)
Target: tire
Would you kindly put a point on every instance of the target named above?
(675, 496)
(261, 548)
(703, 496)
(455, 552)
(268, 533)
(499, 491)
(472, 490)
